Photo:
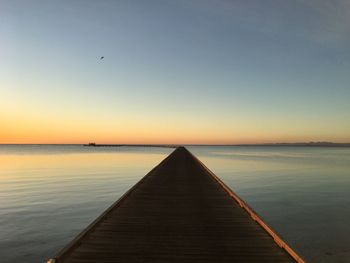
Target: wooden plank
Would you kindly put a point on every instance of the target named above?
(179, 212)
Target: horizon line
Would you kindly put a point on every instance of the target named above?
(188, 144)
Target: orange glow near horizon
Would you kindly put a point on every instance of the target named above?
(70, 133)
(38, 123)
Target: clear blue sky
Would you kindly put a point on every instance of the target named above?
(174, 71)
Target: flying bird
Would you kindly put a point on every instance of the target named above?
(102, 58)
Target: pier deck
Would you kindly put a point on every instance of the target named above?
(179, 212)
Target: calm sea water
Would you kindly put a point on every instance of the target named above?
(48, 194)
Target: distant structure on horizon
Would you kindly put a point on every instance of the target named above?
(293, 144)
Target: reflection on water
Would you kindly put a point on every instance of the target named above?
(50, 193)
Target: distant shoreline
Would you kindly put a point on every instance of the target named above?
(133, 145)
(300, 144)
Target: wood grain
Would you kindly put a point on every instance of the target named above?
(179, 212)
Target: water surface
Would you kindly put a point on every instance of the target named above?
(302, 192)
(48, 194)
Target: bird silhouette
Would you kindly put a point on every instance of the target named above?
(102, 58)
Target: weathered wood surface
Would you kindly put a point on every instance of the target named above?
(179, 212)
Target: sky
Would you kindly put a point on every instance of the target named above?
(182, 72)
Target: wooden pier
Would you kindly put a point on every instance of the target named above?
(179, 212)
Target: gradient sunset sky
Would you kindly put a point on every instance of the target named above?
(191, 71)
